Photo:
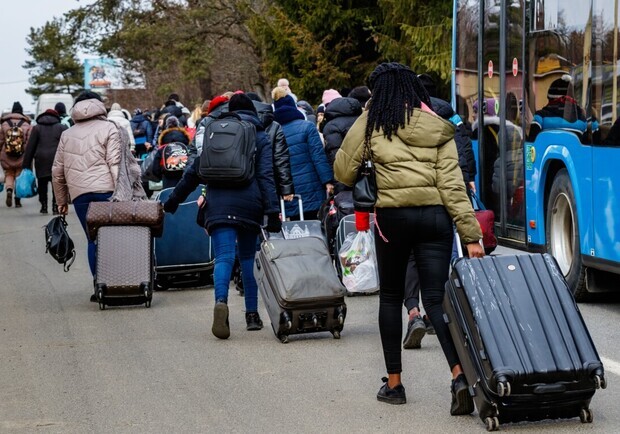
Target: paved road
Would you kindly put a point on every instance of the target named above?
(66, 367)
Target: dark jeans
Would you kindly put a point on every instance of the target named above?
(80, 204)
(427, 231)
(42, 184)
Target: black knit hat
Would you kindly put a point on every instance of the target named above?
(17, 108)
(240, 101)
(60, 108)
(87, 94)
(559, 87)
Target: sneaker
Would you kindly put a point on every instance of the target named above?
(462, 402)
(18, 202)
(220, 328)
(429, 326)
(253, 321)
(391, 396)
(9, 197)
(415, 332)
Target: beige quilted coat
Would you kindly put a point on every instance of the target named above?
(88, 155)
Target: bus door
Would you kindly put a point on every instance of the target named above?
(501, 152)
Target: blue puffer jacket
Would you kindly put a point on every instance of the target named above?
(309, 165)
(242, 206)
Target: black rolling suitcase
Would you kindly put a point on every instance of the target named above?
(299, 287)
(523, 345)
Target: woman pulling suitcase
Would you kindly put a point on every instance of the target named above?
(420, 192)
(234, 214)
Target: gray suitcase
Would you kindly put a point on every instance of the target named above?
(299, 287)
(124, 266)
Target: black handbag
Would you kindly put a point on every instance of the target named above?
(365, 188)
(58, 243)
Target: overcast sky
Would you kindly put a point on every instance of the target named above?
(17, 18)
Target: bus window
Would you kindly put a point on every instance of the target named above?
(604, 90)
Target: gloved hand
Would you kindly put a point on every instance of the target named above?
(273, 223)
(170, 207)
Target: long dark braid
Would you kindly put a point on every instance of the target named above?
(396, 91)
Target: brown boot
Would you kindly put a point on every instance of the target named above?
(9, 197)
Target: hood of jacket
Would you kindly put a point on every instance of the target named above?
(117, 114)
(138, 119)
(442, 108)
(178, 130)
(265, 113)
(343, 107)
(426, 130)
(88, 109)
(15, 117)
(250, 116)
(48, 119)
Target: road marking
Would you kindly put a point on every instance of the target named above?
(611, 366)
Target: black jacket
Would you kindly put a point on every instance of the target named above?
(340, 114)
(467, 161)
(240, 206)
(281, 158)
(43, 143)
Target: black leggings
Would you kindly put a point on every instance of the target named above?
(427, 230)
(42, 184)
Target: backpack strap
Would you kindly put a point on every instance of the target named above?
(229, 115)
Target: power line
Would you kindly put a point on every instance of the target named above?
(12, 82)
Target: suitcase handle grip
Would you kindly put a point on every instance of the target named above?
(549, 388)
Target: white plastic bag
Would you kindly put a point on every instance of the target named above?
(358, 262)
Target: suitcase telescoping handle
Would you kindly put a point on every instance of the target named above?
(301, 208)
(459, 246)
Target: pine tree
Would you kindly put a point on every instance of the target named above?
(53, 66)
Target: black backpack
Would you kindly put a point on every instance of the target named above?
(228, 151)
(58, 243)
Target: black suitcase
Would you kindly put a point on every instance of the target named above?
(299, 287)
(521, 340)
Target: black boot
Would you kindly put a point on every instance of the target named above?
(9, 197)
(54, 208)
(18, 202)
(43, 208)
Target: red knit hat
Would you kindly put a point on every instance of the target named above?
(216, 102)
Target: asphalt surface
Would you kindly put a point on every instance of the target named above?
(66, 367)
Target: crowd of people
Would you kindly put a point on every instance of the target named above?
(422, 179)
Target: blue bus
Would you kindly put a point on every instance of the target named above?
(537, 83)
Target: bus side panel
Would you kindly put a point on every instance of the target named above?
(606, 205)
(564, 147)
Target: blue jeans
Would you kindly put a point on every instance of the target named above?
(80, 204)
(226, 239)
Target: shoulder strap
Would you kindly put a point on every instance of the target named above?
(20, 123)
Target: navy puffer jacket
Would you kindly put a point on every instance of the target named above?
(309, 165)
(241, 206)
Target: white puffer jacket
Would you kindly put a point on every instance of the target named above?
(88, 155)
(117, 116)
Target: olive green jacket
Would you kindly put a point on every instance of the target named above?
(418, 167)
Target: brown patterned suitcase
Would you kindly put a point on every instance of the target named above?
(144, 213)
(124, 266)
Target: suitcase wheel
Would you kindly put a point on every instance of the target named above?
(600, 382)
(340, 320)
(586, 416)
(283, 338)
(503, 388)
(492, 423)
(336, 334)
(101, 306)
(100, 288)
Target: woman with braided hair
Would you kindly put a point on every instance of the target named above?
(420, 191)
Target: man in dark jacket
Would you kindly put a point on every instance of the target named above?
(281, 158)
(142, 133)
(41, 148)
(233, 219)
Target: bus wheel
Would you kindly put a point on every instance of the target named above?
(562, 230)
